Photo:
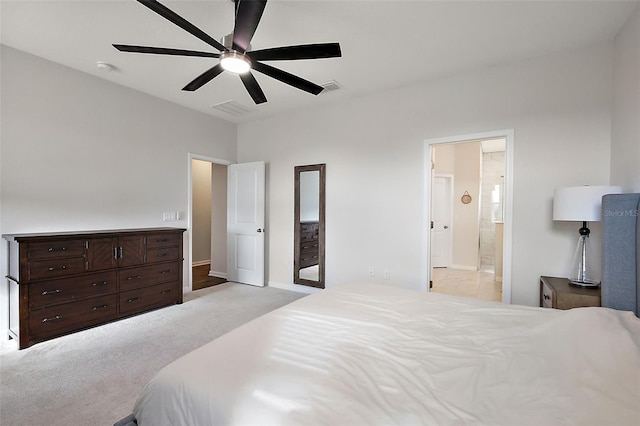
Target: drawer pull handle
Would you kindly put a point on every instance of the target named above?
(165, 291)
(163, 240)
(136, 277)
(44, 293)
(51, 249)
(57, 317)
(100, 283)
(95, 308)
(51, 268)
(133, 299)
(163, 254)
(546, 296)
(167, 271)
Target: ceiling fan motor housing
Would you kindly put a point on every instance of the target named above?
(227, 42)
(235, 50)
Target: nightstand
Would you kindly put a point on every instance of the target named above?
(557, 293)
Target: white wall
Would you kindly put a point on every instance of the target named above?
(81, 153)
(625, 145)
(559, 107)
(201, 211)
(466, 222)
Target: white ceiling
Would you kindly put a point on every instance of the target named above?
(385, 44)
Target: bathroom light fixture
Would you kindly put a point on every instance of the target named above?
(235, 62)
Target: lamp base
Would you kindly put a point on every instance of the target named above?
(581, 273)
(584, 284)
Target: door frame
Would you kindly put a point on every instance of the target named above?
(188, 235)
(508, 135)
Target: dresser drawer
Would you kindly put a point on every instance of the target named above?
(309, 231)
(67, 290)
(163, 240)
(51, 320)
(308, 259)
(309, 247)
(57, 267)
(148, 275)
(308, 236)
(163, 253)
(546, 296)
(54, 249)
(146, 298)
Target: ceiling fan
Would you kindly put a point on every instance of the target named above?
(235, 54)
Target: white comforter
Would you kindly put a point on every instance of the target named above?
(366, 354)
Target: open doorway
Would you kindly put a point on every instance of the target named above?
(207, 222)
(468, 203)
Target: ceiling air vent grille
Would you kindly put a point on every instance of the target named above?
(233, 108)
(330, 86)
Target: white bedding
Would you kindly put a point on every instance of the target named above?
(366, 354)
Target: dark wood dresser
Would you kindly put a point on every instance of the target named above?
(64, 282)
(308, 244)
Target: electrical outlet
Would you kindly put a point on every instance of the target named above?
(387, 275)
(372, 272)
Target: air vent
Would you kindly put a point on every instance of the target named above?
(330, 86)
(233, 108)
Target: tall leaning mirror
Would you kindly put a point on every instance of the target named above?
(309, 210)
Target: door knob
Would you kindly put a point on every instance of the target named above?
(260, 230)
(446, 227)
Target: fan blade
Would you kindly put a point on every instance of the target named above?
(203, 78)
(287, 78)
(248, 14)
(253, 88)
(305, 51)
(164, 51)
(168, 14)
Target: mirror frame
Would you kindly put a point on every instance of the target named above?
(321, 225)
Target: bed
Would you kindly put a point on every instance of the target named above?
(368, 354)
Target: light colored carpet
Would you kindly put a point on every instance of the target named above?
(93, 377)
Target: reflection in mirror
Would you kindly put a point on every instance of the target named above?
(309, 225)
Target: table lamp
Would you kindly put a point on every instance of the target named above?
(581, 204)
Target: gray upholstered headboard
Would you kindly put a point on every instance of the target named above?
(621, 252)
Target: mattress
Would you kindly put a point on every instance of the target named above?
(369, 354)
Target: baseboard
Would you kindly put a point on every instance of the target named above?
(294, 287)
(218, 274)
(200, 263)
(463, 267)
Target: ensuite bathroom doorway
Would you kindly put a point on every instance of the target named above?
(468, 209)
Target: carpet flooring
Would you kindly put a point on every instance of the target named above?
(93, 377)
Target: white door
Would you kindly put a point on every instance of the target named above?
(441, 217)
(245, 223)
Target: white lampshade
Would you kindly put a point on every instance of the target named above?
(580, 203)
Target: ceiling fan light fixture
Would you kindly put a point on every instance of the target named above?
(235, 62)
